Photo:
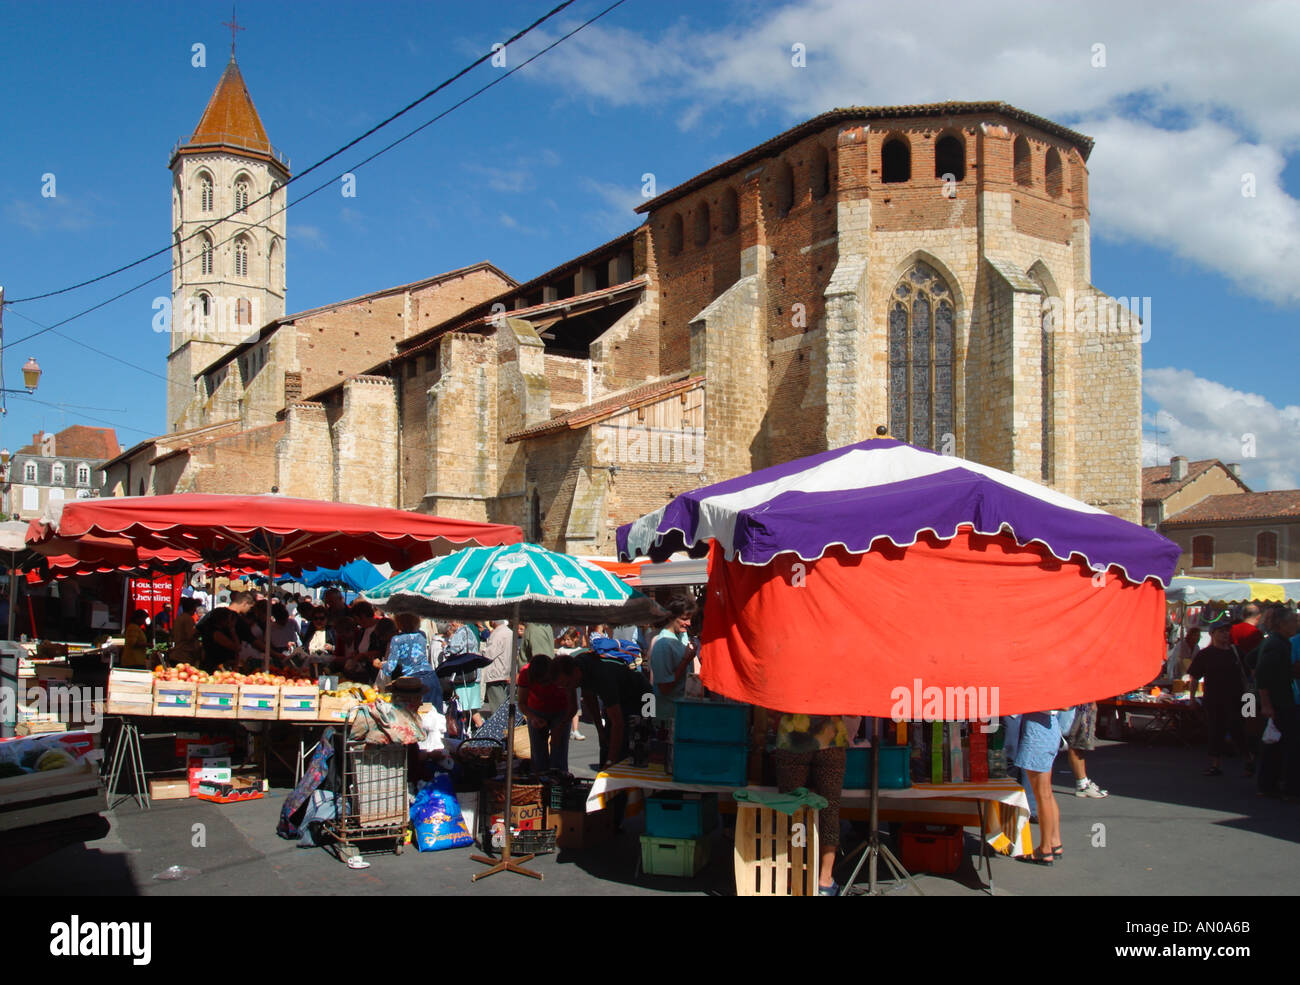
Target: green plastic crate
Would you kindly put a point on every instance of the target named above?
(682, 857)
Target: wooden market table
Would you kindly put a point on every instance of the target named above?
(998, 808)
(1179, 720)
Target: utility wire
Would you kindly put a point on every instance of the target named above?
(326, 184)
(350, 144)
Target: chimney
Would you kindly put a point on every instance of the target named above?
(1178, 468)
(1235, 469)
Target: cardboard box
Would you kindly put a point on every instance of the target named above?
(130, 692)
(210, 770)
(217, 701)
(336, 709)
(174, 699)
(259, 701)
(239, 788)
(170, 788)
(299, 702)
(579, 829)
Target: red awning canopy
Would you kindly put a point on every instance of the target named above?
(220, 529)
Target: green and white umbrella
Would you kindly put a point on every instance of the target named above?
(519, 581)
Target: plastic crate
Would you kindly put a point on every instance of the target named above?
(682, 857)
(933, 848)
(572, 797)
(537, 842)
(710, 721)
(710, 762)
(895, 768)
(675, 815)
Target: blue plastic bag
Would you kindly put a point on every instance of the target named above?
(435, 813)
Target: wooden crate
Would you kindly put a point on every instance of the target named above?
(259, 701)
(766, 861)
(174, 699)
(130, 692)
(39, 727)
(217, 701)
(53, 795)
(300, 702)
(336, 709)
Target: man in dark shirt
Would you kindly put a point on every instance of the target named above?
(1220, 665)
(622, 693)
(1275, 676)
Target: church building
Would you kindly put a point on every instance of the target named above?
(923, 268)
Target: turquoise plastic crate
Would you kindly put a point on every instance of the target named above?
(710, 721)
(676, 815)
(723, 763)
(683, 857)
(895, 768)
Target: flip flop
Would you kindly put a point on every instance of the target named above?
(1035, 859)
(1058, 851)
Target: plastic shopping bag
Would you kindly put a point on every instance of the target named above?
(437, 817)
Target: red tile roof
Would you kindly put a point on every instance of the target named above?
(851, 113)
(1157, 486)
(81, 441)
(610, 406)
(1281, 504)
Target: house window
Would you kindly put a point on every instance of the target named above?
(1266, 550)
(1203, 552)
(29, 472)
(921, 320)
(57, 475)
(31, 498)
(83, 475)
(245, 311)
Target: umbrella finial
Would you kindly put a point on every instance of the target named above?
(882, 431)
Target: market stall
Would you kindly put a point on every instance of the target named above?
(911, 567)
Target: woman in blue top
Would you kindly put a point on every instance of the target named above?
(408, 656)
(671, 657)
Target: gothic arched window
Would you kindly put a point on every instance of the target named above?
(950, 158)
(241, 195)
(921, 318)
(1053, 173)
(205, 254)
(1020, 159)
(205, 192)
(241, 257)
(896, 161)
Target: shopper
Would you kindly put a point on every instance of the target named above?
(185, 639)
(612, 694)
(810, 752)
(1220, 666)
(672, 655)
(496, 675)
(135, 653)
(548, 703)
(1080, 738)
(1276, 676)
(1036, 747)
(408, 657)
(469, 697)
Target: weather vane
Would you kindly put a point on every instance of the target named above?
(233, 24)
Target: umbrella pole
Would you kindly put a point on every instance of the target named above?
(13, 600)
(266, 638)
(506, 863)
(874, 848)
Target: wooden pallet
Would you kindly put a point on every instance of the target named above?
(767, 864)
(38, 798)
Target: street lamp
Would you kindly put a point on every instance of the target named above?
(31, 368)
(31, 373)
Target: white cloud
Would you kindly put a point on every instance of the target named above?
(308, 235)
(620, 202)
(1200, 418)
(1185, 104)
(511, 180)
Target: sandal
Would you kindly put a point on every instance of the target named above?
(1212, 771)
(1035, 859)
(1058, 851)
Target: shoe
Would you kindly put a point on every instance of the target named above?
(1058, 852)
(1035, 859)
(577, 737)
(832, 890)
(1091, 790)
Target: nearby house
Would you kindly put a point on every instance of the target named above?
(1169, 489)
(1243, 535)
(57, 467)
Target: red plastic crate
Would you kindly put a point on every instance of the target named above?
(933, 848)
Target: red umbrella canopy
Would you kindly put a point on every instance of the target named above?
(233, 528)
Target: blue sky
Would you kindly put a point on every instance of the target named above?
(548, 164)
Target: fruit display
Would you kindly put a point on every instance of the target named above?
(359, 692)
(190, 673)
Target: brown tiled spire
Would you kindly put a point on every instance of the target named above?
(231, 119)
